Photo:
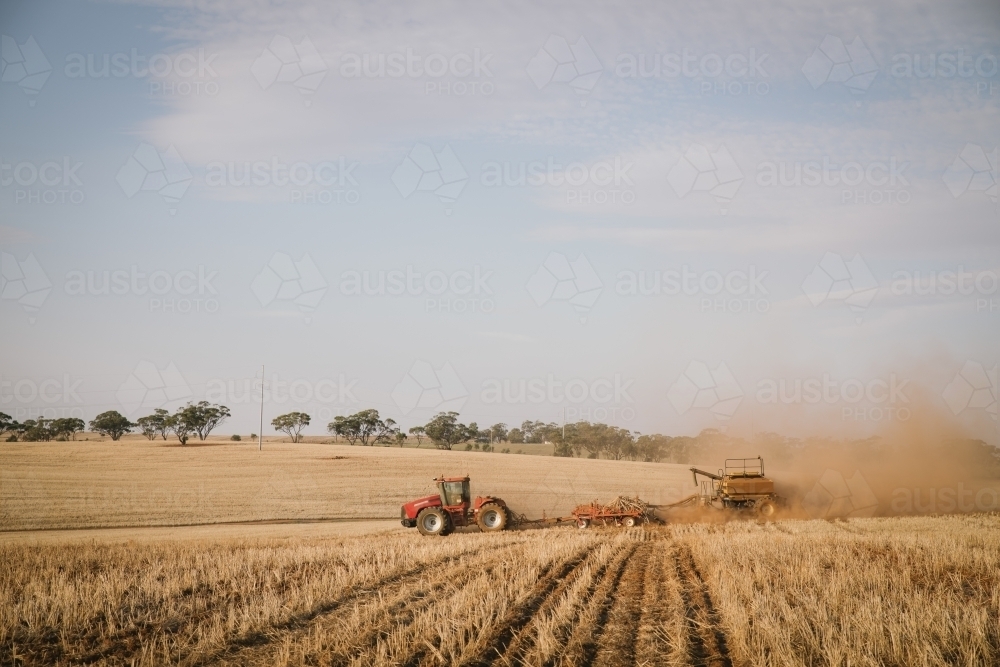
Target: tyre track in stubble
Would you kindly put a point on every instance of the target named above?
(517, 651)
(655, 644)
(235, 649)
(583, 643)
(126, 645)
(706, 641)
(392, 609)
(617, 645)
(514, 622)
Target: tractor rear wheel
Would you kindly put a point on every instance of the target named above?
(766, 508)
(492, 518)
(433, 521)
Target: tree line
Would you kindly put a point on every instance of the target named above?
(194, 419)
(41, 429)
(445, 431)
(367, 427)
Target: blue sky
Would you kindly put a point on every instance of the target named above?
(671, 176)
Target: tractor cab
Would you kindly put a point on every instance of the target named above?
(455, 493)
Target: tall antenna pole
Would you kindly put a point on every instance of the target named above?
(260, 435)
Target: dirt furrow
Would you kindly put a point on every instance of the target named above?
(581, 648)
(706, 642)
(617, 641)
(658, 632)
(518, 651)
(335, 642)
(520, 615)
(233, 652)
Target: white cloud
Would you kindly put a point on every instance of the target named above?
(284, 62)
(702, 170)
(558, 61)
(833, 61)
(423, 170)
(974, 170)
(149, 170)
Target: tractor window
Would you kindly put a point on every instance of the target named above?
(453, 493)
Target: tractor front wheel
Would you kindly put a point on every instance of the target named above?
(492, 518)
(433, 521)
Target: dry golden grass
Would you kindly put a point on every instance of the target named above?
(916, 591)
(138, 483)
(216, 531)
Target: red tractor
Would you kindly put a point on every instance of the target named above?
(452, 507)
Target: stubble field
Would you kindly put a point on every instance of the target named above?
(132, 554)
(916, 591)
(138, 483)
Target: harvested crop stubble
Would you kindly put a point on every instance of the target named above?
(865, 592)
(544, 636)
(191, 602)
(408, 625)
(476, 622)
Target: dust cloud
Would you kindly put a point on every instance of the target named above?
(927, 464)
